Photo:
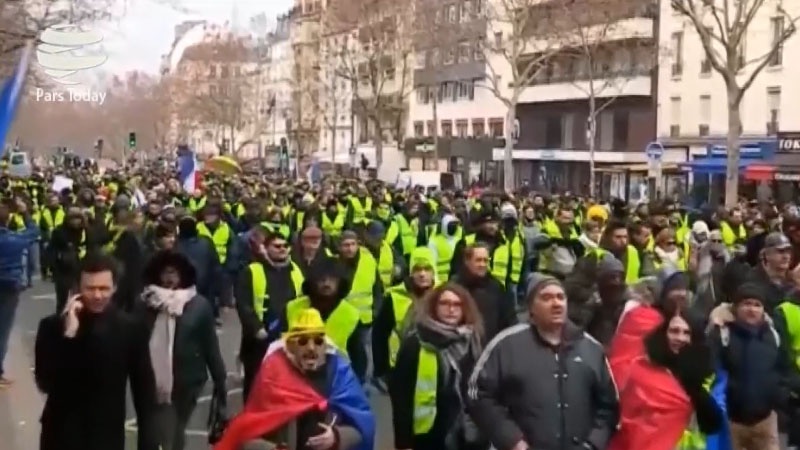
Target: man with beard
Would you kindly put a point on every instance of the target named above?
(397, 312)
(597, 309)
(262, 292)
(306, 397)
(487, 232)
(615, 241)
(68, 245)
(324, 290)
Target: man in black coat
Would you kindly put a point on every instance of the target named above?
(84, 358)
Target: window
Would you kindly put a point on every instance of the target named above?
(553, 132)
(675, 116)
(462, 127)
(478, 127)
(422, 95)
(452, 14)
(419, 128)
(477, 54)
(777, 24)
(422, 58)
(212, 71)
(464, 90)
(431, 125)
(449, 56)
(705, 115)
(464, 52)
(466, 11)
(774, 108)
(447, 128)
(621, 130)
(498, 39)
(677, 53)
(496, 127)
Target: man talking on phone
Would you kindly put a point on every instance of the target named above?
(84, 357)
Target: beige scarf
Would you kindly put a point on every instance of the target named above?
(169, 304)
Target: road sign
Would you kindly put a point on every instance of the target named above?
(654, 150)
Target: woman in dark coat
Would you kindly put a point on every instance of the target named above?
(183, 345)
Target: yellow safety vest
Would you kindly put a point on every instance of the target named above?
(196, 205)
(260, 291)
(425, 391)
(408, 232)
(364, 280)
(333, 227)
(444, 256)
(791, 312)
(632, 263)
(51, 220)
(339, 326)
(551, 229)
(82, 245)
(729, 236)
(281, 229)
(220, 237)
(360, 211)
(112, 244)
(386, 264)
(500, 260)
(401, 304)
(517, 253)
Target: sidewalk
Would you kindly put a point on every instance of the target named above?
(21, 404)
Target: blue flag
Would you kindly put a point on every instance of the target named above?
(348, 400)
(11, 95)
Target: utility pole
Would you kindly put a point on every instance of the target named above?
(334, 126)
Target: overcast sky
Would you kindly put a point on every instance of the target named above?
(146, 30)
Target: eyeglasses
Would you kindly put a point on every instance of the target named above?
(280, 246)
(305, 340)
(450, 305)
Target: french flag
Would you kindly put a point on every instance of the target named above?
(12, 92)
(190, 177)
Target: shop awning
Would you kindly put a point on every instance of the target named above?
(759, 172)
(714, 166)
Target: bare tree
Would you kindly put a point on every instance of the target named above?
(375, 60)
(223, 102)
(722, 27)
(516, 45)
(602, 46)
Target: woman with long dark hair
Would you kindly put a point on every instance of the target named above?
(426, 385)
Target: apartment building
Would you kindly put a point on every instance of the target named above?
(450, 110)
(600, 52)
(214, 93)
(277, 85)
(304, 36)
(693, 112)
(337, 122)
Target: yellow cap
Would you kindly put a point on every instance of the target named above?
(309, 321)
(597, 212)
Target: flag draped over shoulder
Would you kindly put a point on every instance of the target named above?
(11, 94)
(280, 395)
(654, 410)
(628, 342)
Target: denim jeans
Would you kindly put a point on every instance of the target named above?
(9, 299)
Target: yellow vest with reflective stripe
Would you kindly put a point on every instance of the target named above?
(360, 211)
(333, 227)
(632, 263)
(444, 256)
(51, 220)
(500, 259)
(220, 237)
(425, 391)
(791, 313)
(112, 244)
(339, 326)
(731, 237)
(409, 231)
(360, 294)
(196, 205)
(386, 264)
(401, 304)
(517, 249)
(260, 291)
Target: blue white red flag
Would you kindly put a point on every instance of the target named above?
(10, 96)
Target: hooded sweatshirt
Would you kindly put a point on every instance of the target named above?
(452, 240)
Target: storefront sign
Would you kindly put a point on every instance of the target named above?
(746, 150)
(787, 176)
(789, 142)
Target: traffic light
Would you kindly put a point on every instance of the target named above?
(132, 139)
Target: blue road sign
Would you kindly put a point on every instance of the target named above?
(654, 150)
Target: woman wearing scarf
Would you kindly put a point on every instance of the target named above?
(664, 404)
(183, 345)
(426, 385)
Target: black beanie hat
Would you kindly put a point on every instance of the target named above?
(749, 291)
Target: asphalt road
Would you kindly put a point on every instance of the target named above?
(20, 405)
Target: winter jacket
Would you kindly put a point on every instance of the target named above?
(756, 366)
(497, 309)
(201, 252)
(12, 246)
(522, 388)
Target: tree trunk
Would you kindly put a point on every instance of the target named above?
(508, 153)
(591, 127)
(732, 148)
(378, 140)
(435, 133)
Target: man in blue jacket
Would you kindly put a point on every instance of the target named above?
(13, 245)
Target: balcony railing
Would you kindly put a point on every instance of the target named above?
(571, 77)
